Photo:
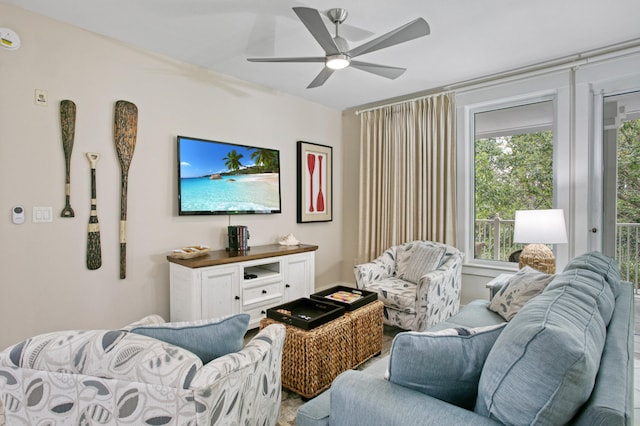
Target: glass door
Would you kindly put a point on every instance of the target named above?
(621, 173)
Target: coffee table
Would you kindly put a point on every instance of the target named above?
(311, 359)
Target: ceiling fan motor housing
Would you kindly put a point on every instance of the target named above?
(337, 15)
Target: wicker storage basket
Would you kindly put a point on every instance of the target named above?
(312, 359)
(367, 331)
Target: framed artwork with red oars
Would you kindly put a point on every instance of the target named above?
(315, 186)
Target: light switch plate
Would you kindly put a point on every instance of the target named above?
(41, 97)
(42, 214)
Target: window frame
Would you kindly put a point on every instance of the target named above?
(496, 106)
(468, 202)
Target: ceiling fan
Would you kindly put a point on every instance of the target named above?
(337, 52)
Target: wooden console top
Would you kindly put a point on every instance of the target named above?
(221, 257)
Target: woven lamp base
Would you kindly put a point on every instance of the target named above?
(539, 257)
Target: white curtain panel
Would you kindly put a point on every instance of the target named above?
(407, 174)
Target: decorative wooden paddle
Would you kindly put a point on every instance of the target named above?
(125, 130)
(311, 164)
(320, 202)
(94, 253)
(68, 127)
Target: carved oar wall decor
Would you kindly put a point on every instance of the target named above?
(68, 129)
(125, 130)
(94, 252)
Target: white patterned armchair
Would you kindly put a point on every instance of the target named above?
(118, 377)
(419, 283)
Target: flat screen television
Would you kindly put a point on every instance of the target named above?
(216, 178)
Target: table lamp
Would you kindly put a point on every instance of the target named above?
(537, 228)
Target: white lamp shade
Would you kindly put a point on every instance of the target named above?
(540, 227)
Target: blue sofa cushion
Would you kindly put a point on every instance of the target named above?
(445, 364)
(543, 366)
(526, 284)
(588, 285)
(208, 339)
(599, 263)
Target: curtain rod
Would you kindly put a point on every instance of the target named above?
(434, 92)
(554, 64)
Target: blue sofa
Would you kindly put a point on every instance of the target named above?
(565, 358)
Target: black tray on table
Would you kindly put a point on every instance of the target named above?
(305, 313)
(360, 297)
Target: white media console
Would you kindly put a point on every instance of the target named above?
(228, 282)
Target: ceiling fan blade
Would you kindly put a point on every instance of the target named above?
(303, 59)
(414, 29)
(313, 21)
(381, 70)
(321, 78)
(262, 35)
(349, 32)
(354, 34)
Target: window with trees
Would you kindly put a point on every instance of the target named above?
(513, 170)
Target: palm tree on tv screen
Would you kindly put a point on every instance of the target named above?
(232, 160)
(266, 158)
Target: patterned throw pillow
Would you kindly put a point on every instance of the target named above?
(445, 364)
(520, 288)
(208, 339)
(418, 260)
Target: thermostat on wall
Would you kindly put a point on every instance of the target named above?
(9, 39)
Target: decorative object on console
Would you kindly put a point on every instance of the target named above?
(238, 238)
(288, 240)
(315, 190)
(68, 129)
(125, 130)
(190, 252)
(537, 228)
(94, 252)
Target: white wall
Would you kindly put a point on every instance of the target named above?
(45, 284)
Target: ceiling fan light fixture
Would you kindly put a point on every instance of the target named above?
(338, 62)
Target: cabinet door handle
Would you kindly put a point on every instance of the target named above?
(264, 291)
(263, 312)
(237, 297)
(287, 286)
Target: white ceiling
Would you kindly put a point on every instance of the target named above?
(469, 38)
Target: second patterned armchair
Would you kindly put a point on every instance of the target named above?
(419, 283)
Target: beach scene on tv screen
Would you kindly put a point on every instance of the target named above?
(222, 177)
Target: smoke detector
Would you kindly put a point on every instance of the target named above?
(9, 39)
